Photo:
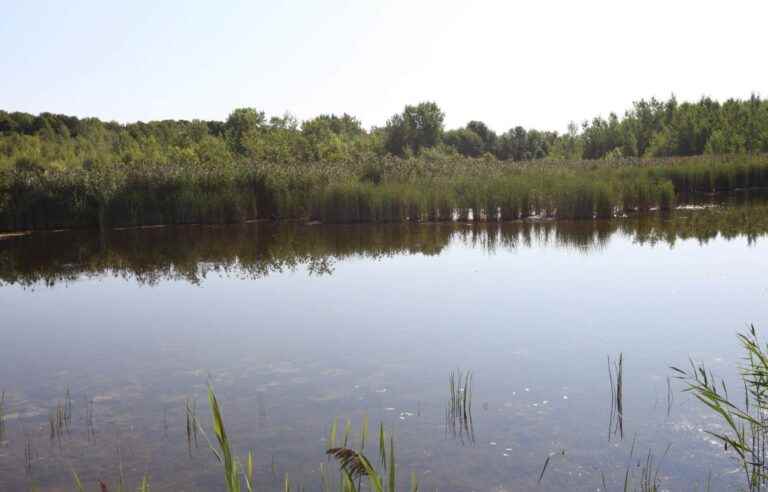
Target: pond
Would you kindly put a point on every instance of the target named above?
(296, 326)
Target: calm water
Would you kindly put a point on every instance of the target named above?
(298, 325)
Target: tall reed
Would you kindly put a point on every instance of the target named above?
(746, 422)
(113, 194)
(354, 466)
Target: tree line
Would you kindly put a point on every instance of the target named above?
(651, 128)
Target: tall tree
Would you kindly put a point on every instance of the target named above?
(417, 127)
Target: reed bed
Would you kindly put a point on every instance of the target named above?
(375, 189)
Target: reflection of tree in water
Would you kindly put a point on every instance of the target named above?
(256, 250)
(320, 266)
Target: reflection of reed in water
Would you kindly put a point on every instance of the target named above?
(2, 416)
(616, 379)
(261, 410)
(458, 413)
(190, 407)
(60, 418)
(649, 468)
(89, 421)
(670, 397)
(260, 249)
(30, 454)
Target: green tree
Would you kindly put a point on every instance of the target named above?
(487, 135)
(465, 141)
(241, 125)
(417, 127)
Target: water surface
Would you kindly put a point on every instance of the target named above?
(297, 325)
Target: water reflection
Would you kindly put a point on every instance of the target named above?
(370, 326)
(257, 250)
(458, 412)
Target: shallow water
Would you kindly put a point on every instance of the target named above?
(298, 325)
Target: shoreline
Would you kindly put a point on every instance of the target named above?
(653, 212)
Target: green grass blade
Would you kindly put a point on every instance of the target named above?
(78, 484)
(391, 482)
(230, 466)
(332, 436)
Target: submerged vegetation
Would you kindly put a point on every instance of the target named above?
(745, 435)
(58, 171)
(240, 475)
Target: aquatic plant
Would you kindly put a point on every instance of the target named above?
(29, 454)
(77, 482)
(544, 468)
(191, 424)
(363, 432)
(649, 469)
(414, 190)
(382, 446)
(89, 418)
(354, 465)
(616, 380)
(746, 422)
(670, 397)
(332, 434)
(649, 473)
(233, 473)
(2, 415)
(458, 413)
(60, 418)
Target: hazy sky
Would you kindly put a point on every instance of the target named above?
(533, 63)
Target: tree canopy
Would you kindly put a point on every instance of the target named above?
(650, 128)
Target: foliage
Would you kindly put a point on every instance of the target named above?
(746, 424)
(416, 128)
(61, 171)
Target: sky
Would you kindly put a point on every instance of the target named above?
(539, 64)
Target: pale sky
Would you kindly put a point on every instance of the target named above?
(539, 64)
